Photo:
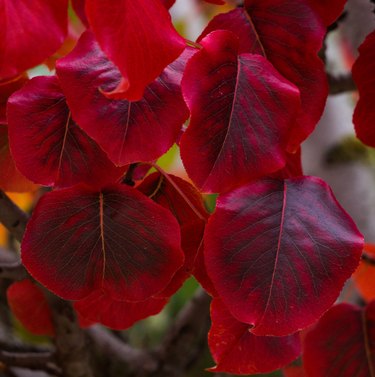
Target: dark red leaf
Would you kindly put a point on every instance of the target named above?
(30, 32)
(47, 145)
(292, 168)
(186, 204)
(236, 350)
(79, 8)
(30, 307)
(117, 240)
(118, 315)
(328, 11)
(217, 2)
(279, 252)
(138, 36)
(10, 178)
(289, 34)
(241, 112)
(168, 3)
(363, 75)
(342, 343)
(134, 131)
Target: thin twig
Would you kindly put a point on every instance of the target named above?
(33, 361)
(368, 259)
(14, 271)
(341, 84)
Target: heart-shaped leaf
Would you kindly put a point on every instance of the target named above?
(289, 34)
(241, 113)
(47, 145)
(128, 131)
(236, 350)
(117, 240)
(342, 343)
(138, 36)
(363, 75)
(31, 31)
(279, 252)
(118, 315)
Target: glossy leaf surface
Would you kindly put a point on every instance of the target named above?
(138, 37)
(117, 240)
(342, 343)
(47, 145)
(363, 75)
(118, 315)
(128, 131)
(30, 307)
(279, 252)
(236, 350)
(288, 34)
(30, 32)
(241, 114)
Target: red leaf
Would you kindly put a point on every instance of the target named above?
(47, 145)
(328, 11)
(10, 178)
(31, 31)
(118, 315)
(236, 350)
(241, 113)
(289, 34)
(342, 343)
(217, 2)
(135, 131)
(186, 204)
(138, 37)
(168, 3)
(30, 307)
(292, 168)
(117, 240)
(363, 75)
(279, 252)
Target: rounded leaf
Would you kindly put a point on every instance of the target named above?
(117, 240)
(279, 252)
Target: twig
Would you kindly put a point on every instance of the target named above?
(369, 259)
(341, 84)
(13, 218)
(183, 342)
(13, 271)
(33, 361)
(136, 359)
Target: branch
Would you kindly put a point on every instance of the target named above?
(368, 259)
(34, 361)
(136, 359)
(13, 218)
(183, 343)
(13, 271)
(341, 84)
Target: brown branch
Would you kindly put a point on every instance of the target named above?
(185, 339)
(108, 344)
(13, 218)
(34, 361)
(341, 84)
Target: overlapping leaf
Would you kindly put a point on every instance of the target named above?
(79, 8)
(363, 75)
(342, 344)
(241, 113)
(118, 315)
(128, 131)
(47, 145)
(328, 11)
(30, 307)
(289, 34)
(117, 240)
(236, 350)
(138, 36)
(30, 32)
(186, 204)
(279, 252)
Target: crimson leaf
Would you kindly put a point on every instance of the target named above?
(80, 240)
(279, 252)
(241, 113)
